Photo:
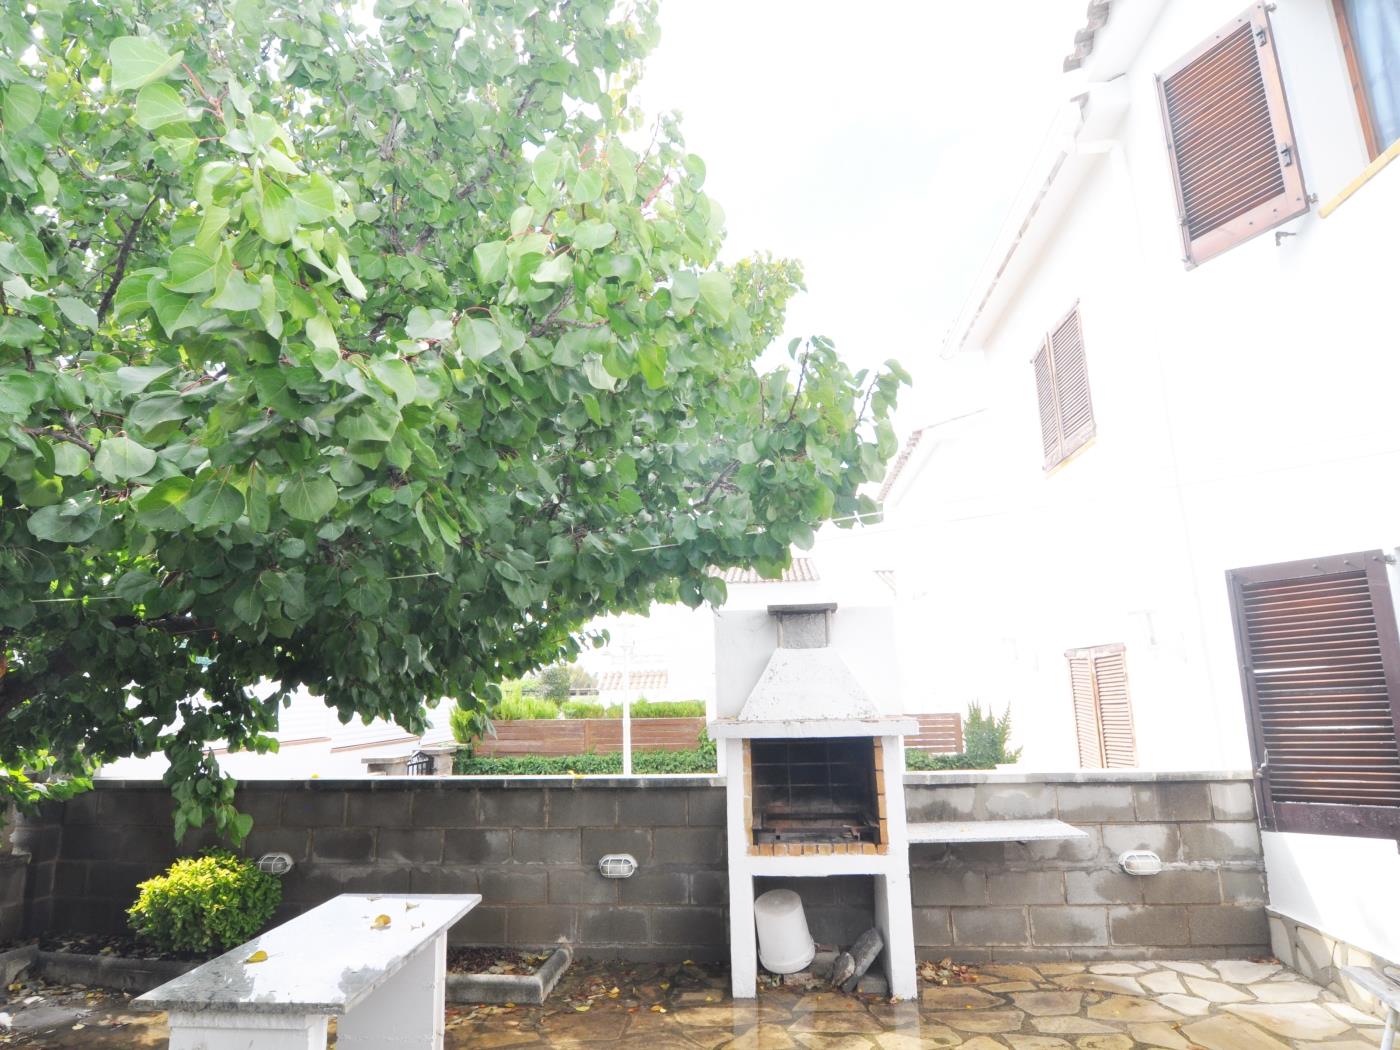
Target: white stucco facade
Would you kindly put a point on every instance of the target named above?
(1245, 414)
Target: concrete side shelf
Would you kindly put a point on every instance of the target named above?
(993, 831)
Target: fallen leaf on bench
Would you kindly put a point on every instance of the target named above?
(257, 957)
(381, 922)
(409, 906)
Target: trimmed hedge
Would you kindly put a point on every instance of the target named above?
(585, 708)
(696, 760)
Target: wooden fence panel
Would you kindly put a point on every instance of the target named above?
(582, 736)
(938, 733)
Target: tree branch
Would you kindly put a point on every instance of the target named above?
(61, 435)
(122, 254)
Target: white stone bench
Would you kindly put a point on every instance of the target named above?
(385, 986)
(1384, 989)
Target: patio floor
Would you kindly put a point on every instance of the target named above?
(1233, 1005)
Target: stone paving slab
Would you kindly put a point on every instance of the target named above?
(1113, 1005)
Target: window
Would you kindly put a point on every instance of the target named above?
(1229, 139)
(1370, 31)
(1103, 717)
(1062, 388)
(1320, 666)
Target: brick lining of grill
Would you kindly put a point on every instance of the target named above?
(815, 791)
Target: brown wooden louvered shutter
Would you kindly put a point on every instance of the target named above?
(1062, 390)
(1320, 666)
(1103, 716)
(1071, 383)
(1049, 411)
(1086, 715)
(1230, 140)
(1115, 713)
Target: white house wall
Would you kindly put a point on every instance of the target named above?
(1245, 414)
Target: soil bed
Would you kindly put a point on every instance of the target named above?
(122, 947)
(494, 960)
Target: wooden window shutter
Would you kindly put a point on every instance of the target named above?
(1062, 391)
(1049, 413)
(1229, 139)
(1320, 666)
(1103, 716)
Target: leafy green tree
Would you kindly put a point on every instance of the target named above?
(556, 681)
(370, 359)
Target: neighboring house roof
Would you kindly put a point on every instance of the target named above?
(1095, 19)
(611, 681)
(802, 570)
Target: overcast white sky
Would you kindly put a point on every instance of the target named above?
(880, 142)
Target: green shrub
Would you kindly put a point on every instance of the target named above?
(584, 709)
(984, 745)
(696, 760)
(668, 709)
(525, 707)
(202, 904)
(468, 726)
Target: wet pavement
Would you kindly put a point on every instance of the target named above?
(1231, 1005)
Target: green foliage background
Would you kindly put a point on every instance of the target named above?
(373, 360)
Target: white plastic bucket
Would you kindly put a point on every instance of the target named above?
(784, 942)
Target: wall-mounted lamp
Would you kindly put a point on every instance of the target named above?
(1140, 862)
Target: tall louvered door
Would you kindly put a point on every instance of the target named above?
(1230, 140)
(1320, 666)
(1086, 711)
(1103, 716)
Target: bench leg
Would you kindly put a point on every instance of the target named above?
(406, 1011)
(227, 1030)
(1392, 1019)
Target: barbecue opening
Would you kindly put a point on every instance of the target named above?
(817, 791)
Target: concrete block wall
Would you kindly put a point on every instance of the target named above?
(530, 846)
(1070, 899)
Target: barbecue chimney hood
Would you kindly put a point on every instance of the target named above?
(806, 690)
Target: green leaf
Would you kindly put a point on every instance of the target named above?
(652, 361)
(489, 261)
(77, 311)
(588, 187)
(158, 105)
(138, 60)
(352, 283)
(309, 497)
(405, 97)
(427, 324)
(276, 214)
(213, 501)
(238, 293)
(121, 459)
(20, 108)
(556, 270)
(65, 522)
(164, 494)
(25, 254)
(155, 409)
(315, 199)
(716, 295)
(545, 169)
(322, 334)
(69, 460)
(191, 270)
(592, 235)
(478, 337)
(132, 379)
(397, 376)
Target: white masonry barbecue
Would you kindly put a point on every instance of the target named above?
(815, 787)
